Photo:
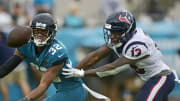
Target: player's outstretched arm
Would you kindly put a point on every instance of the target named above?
(93, 57)
(10, 64)
(99, 71)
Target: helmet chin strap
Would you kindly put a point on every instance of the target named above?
(115, 46)
(110, 45)
(118, 45)
(39, 43)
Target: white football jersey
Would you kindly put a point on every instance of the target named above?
(139, 46)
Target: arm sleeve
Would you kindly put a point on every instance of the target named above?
(9, 65)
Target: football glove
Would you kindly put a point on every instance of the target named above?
(72, 72)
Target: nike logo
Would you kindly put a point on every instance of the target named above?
(61, 55)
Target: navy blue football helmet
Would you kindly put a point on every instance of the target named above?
(121, 24)
(44, 24)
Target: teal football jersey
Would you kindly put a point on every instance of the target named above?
(52, 54)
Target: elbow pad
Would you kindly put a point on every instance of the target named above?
(9, 65)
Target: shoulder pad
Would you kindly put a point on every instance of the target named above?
(136, 50)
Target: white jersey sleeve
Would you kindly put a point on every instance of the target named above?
(136, 50)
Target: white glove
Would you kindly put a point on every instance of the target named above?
(72, 72)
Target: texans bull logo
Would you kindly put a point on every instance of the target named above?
(124, 19)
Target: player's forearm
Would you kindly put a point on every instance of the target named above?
(93, 57)
(45, 81)
(90, 60)
(93, 72)
(37, 92)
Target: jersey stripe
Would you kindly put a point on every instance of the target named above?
(156, 88)
(135, 42)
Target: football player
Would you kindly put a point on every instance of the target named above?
(49, 56)
(135, 48)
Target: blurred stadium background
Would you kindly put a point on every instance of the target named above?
(80, 29)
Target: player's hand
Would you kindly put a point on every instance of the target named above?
(72, 72)
(24, 99)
